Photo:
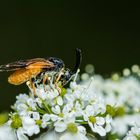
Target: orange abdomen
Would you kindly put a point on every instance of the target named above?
(23, 75)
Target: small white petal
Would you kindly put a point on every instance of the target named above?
(46, 117)
(36, 129)
(54, 117)
(60, 101)
(20, 135)
(108, 127)
(36, 115)
(99, 129)
(82, 129)
(56, 109)
(108, 119)
(100, 120)
(31, 103)
(90, 125)
(41, 93)
(22, 107)
(89, 110)
(60, 126)
(27, 121)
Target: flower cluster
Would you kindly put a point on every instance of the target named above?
(94, 108)
(73, 110)
(121, 94)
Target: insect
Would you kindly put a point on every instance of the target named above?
(26, 70)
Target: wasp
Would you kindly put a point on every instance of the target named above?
(26, 70)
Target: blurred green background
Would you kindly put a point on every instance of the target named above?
(106, 31)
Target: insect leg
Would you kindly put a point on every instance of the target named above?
(32, 85)
(59, 76)
(57, 80)
(45, 78)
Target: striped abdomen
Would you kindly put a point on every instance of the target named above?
(23, 75)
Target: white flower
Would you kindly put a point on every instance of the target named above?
(68, 107)
(46, 117)
(54, 117)
(45, 120)
(22, 98)
(21, 104)
(52, 94)
(56, 109)
(29, 126)
(61, 125)
(98, 126)
(96, 123)
(22, 109)
(31, 103)
(41, 93)
(65, 114)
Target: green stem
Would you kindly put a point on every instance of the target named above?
(41, 111)
(81, 122)
(47, 107)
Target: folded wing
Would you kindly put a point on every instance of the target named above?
(27, 64)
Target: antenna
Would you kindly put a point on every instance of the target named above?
(78, 60)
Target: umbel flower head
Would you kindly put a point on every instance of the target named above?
(94, 108)
(121, 94)
(75, 111)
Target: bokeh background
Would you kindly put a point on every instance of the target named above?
(106, 31)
